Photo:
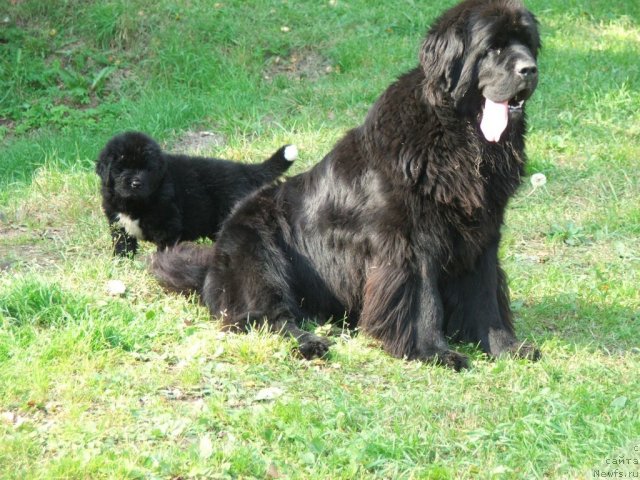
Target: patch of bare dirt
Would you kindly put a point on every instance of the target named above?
(20, 246)
(119, 78)
(199, 143)
(299, 65)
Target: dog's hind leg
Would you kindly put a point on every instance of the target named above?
(310, 345)
(249, 285)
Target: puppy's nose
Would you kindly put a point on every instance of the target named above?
(135, 183)
(527, 68)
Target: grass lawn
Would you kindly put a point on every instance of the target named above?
(146, 386)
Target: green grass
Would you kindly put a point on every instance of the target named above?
(147, 386)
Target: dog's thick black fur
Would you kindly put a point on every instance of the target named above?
(399, 225)
(148, 194)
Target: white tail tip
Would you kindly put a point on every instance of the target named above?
(290, 152)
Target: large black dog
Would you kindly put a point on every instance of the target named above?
(398, 226)
(148, 194)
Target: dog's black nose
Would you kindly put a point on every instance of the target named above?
(136, 184)
(527, 68)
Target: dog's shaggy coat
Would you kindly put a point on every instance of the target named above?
(148, 194)
(398, 226)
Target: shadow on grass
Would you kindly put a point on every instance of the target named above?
(609, 328)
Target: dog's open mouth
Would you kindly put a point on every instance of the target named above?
(516, 103)
(495, 115)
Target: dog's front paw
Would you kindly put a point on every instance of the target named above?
(451, 359)
(123, 250)
(313, 346)
(445, 358)
(524, 350)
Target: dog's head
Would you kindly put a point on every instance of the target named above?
(481, 58)
(131, 165)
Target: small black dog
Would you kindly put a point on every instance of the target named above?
(148, 194)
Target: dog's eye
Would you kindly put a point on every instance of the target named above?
(495, 50)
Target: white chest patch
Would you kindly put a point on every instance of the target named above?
(131, 226)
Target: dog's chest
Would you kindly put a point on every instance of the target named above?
(131, 226)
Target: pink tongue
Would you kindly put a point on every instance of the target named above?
(494, 119)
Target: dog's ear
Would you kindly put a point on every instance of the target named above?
(103, 167)
(441, 58)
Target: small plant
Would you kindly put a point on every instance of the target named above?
(568, 233)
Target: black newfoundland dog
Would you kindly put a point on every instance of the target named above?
(398, 226)
(148, 194)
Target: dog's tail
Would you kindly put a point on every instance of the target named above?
(182, 268)
(276, 165)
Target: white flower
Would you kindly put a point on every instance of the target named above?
(116, 288)
(538, 180)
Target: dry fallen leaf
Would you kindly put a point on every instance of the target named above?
(272, 472)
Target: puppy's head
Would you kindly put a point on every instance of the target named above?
(131, 165)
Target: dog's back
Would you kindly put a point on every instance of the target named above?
(206, 189)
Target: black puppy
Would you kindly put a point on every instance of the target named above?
(148, 194)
